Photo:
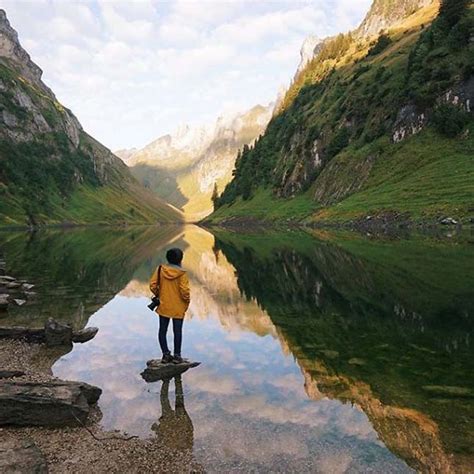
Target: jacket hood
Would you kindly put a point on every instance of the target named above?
(171, 272)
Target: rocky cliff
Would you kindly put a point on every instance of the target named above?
(365, 120)
(184, 167)
(51, 169)
(385, 14)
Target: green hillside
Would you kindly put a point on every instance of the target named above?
(372, 126)
(51, 171)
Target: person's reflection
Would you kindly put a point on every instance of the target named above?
(174, 428)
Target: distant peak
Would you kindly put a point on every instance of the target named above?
(308, 51)
(11, 49)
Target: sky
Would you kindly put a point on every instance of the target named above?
(132, 71)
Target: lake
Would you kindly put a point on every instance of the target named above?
(321, 351)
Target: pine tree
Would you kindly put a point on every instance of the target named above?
(215, 197)
(453, 10)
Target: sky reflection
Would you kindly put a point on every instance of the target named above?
(247, 401)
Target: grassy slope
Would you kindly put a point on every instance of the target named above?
(47, 181)
(425, 177)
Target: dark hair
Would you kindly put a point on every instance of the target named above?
(174, 256)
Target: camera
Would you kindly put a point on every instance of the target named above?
(155, 302)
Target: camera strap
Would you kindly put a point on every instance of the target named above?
(159, 278)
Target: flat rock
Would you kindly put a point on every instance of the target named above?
(156, 370)
(6, 278)
(13, 285)
(18, 332)
(19, 302)
(84, 335)
(21, 457)
(356, 361)
(8, 374)
(53, 403)
(27, 286)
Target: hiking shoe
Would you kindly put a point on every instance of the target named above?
(167, 359)
(177, 359)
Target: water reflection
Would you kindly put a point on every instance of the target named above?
(174, 428)
(320, 353)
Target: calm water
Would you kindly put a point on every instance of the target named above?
(320, 352)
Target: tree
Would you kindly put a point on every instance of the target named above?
(452, 10)
(215, 197)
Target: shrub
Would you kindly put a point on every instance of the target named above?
(380, 45)
(450, 120)
(338, 142)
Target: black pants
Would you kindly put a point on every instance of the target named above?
(177, 332)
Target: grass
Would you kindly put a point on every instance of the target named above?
(92, 205)
(352, 102)
(265, 206)
(425, 177)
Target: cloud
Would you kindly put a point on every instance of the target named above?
(133, 70)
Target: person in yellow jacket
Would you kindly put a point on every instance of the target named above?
(170, 283)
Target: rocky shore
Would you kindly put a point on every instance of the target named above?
(83, 448)
(52, 425)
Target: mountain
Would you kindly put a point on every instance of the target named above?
(373, 128)
(385, 14)
(183, 168)
(51, 170)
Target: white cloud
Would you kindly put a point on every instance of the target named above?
(132, 70)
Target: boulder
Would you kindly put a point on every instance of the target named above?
(53, 403)
(13, 285)
(27, 286)
(21, 456)
(156, 370)
(57, 334)
(6, 279)
(84, 335)
(19, 302)
(449, 221)
(3, 301)
(8, 374)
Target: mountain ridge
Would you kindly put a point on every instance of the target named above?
(52, 170)
(184, 167)
(363, 123)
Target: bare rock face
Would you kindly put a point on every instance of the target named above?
(21, 457)
(10, 48)
(309, 49)
(385, 14)
(54, 403)
(410, 121)
(156, 370)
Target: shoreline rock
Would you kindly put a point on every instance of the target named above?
(54, 403)
(53, 334)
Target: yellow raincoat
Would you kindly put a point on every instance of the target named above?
(172, 289)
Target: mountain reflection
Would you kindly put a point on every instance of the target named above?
(386, 325)
(380, 330)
